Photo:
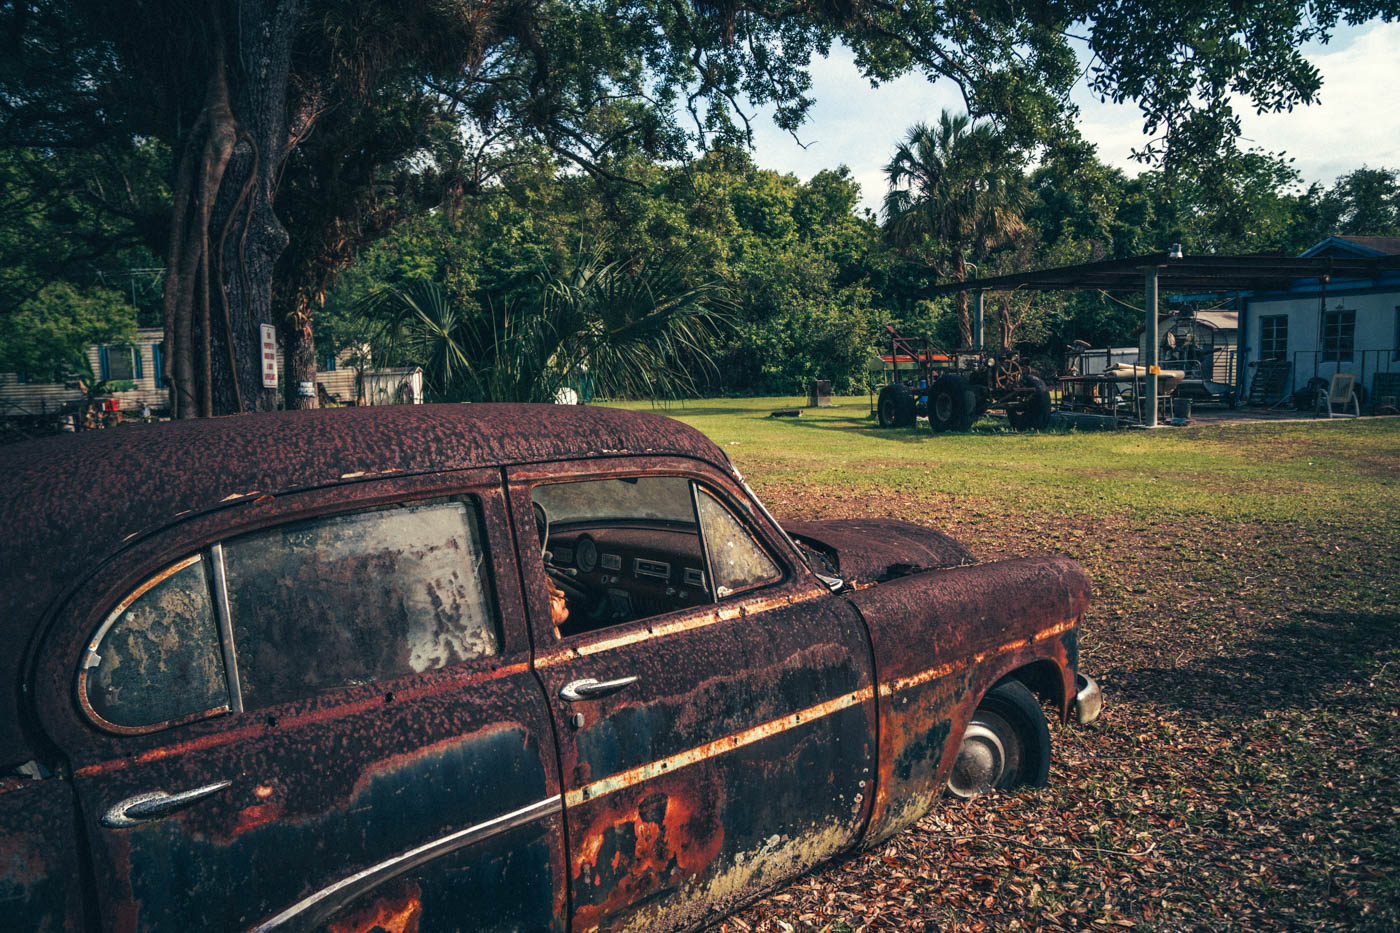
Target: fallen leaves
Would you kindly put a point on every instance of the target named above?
(1245, 773)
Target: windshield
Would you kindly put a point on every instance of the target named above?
(647, 498)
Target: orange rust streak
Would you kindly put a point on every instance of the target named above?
(889, 688)
(701, 752)
(665, 629)
(392, 915)
(291, 722)
(255, 816)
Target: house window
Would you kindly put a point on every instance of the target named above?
(119, 363)
(1338, 335)
(1273, 337)
(328, 364)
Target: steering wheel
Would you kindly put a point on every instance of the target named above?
(580, 599)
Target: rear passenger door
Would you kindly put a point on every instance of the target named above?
(712, 699)
(317, 713)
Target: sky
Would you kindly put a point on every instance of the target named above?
(1356, 121)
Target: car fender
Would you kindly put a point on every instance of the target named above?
(941, 639)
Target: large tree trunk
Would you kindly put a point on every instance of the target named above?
(265, 31)
(225, 236)
(300, 347)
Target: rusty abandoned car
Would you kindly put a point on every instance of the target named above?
(478, 667)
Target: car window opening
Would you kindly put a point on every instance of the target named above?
(621, 550)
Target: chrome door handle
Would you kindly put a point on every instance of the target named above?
(590, 688)
(152, 806)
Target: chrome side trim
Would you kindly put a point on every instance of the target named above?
(318, 906)
(224, 614)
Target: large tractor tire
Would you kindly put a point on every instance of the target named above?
(951, 404)
(895, 407)
(1033, 414)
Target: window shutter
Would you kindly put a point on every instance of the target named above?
(138, 366)
(102, 363)
(155, 363)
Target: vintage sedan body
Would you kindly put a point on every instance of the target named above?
(478, 667)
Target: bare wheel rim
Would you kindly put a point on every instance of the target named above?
(983, 756)
(943, 406)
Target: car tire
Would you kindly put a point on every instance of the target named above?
(951, 404)
(1006, 744)
(1034, 413)
(895, 407)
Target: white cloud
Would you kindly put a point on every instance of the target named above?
(1354, 124)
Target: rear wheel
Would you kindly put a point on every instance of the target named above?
(895, 407)
(1032, 414)
(951, 403)
(1006, 745)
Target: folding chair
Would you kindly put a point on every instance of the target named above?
(1341, 392)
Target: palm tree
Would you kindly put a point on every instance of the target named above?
(631, 330)
(953, 189)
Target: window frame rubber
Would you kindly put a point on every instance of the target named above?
(92, 659)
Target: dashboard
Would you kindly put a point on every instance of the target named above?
(631, 569)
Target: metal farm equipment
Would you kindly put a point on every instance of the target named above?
(954, 388)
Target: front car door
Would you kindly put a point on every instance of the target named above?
(713, 700)
(314, 712)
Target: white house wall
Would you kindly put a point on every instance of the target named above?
(1373, 345)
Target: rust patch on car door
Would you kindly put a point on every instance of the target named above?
(740, 753)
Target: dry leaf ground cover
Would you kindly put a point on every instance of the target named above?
(1246, 631)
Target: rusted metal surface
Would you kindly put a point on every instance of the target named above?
(941, 640)
(742, 755)
(432, 755)
(871, 550)
(82, 498)
(761, 735)
(40, 875)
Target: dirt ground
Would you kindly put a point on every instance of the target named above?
(1245, 629)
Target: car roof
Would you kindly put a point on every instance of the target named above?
(71, 502)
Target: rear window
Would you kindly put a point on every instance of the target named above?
(157, 659)
(293, 611)
(356, 599)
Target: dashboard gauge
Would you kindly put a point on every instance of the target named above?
(586, 555)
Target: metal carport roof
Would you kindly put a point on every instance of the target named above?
(1259, 272)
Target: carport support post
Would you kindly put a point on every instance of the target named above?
(977, 319)
(1149, 296)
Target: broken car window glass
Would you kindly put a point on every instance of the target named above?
(358, 598)
(736, 560)
(159, 659)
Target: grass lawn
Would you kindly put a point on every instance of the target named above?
(1246, 631)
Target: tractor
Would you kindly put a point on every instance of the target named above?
(954, 388)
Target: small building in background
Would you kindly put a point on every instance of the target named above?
(135, 369)
(26, 394)
(1318, 328)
